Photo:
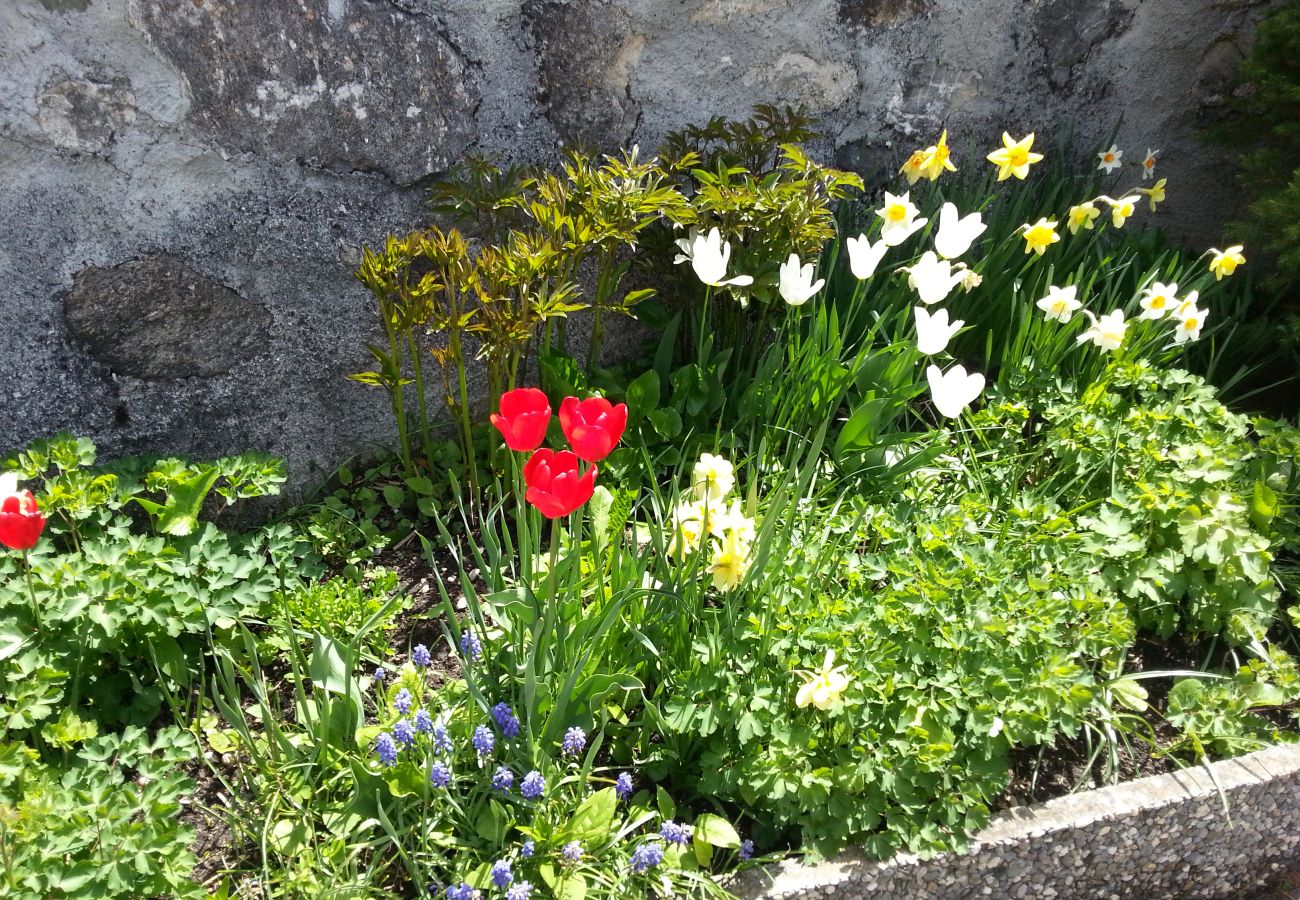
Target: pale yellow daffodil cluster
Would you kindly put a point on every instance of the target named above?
(713, 522)
(823, 687)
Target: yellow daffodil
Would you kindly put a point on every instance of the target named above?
(687, 529)
(1014, 157)
(938, 159)
(1082, 216)
(822, 688)
(1122, 209)
(914, 168)
(730, 562)
(970, 279)
(733, 521)
(1039, 236)
(1225, 262)
(1155, 193)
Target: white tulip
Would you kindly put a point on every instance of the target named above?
(1106, 332)
(709, 256)
(864, 257)
(797, 283)
(954, 390)
(956, 234)
(1060, 303)
(932, 278)
(934, 332)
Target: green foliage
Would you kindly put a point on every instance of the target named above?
(1173, 489)
(110, 617)
(337, 608)
(1262, 125)
(104, 825)
(961, 638)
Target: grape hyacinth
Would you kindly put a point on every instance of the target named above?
(521, 891)
(460, 891)
(527, 849)
(503, 779)
(420, 656)
(470, 645)
(441, 740)
(386, 750)
(423, 721)
(746, 849)
(506, 720)
(533, 785)
(501, 874)
(623, 786)
(673, 833)
(575, 739)
(647, 856)
(402, 702)
(483, 741)
(380, 674)
(403, 733)
(572, 851)
(439, 775)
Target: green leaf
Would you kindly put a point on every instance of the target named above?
(1129, 693)
(1264, 506)
(594, 817)
(715, 830)
(329, 667)
(643, 395)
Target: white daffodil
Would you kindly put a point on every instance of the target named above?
(900, 219)
(956, 233)
(685, 246)
(1060, 303)
(932, 278)
(709, 256)
(797, 284)
(687, 529)
(713, 477)
(933, 332)
(1158, 301)
(1149, 164)
(954, 390)
(1110, 159)
(1190, 322)
(1106, 332)
(864, 257)
(1188, 302)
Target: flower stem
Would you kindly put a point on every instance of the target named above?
(31, 591)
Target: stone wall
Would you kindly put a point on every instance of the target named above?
(1167, 837)
(187, 183)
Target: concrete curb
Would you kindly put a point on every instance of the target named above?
(1160, 838)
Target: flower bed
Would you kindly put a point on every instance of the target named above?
(902, 491)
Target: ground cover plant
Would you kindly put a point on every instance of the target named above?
(907, 486)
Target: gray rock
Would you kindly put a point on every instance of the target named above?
(342, 85)
(155, 318)
(586, 51)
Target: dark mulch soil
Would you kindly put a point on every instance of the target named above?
(1039, 774)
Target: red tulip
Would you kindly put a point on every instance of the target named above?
(593, 426)
(21, 522)
(525, 413)
(554, 485)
